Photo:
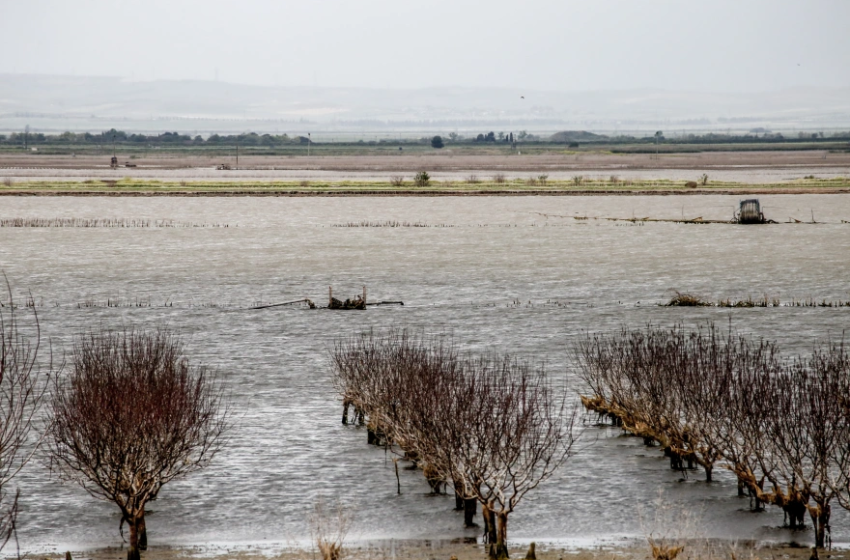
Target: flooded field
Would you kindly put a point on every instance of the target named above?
(741, 167)
(510, 274)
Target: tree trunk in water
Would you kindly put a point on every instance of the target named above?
(469, 507)
(143, 531)
(133, 551)
(458, 495)
(796, 512)
(708, 471)
(345, 405)
(820, 521)
(500, 550)
(489, 525)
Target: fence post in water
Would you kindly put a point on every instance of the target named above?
(364, 295)
(330, 295)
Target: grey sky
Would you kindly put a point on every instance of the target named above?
(719, 45)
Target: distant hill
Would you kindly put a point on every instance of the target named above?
(54, 104)
(576, 136)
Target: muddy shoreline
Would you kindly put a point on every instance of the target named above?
(622, 548)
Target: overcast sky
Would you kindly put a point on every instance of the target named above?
(717, 45)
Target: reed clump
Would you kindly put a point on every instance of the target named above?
(687, 300)
(750, 302)
(99, 223)
(390, 224)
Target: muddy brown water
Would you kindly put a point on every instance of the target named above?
(509, 274)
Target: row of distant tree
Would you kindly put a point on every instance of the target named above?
(167, 138)
(247, 139)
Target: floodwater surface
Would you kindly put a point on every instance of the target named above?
(510, 274)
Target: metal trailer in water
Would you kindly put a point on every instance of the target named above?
(749, 212)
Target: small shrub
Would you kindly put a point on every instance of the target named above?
(473, 179)
(542, 179)
(422, 179)
(437, 142)
(499, 178)
(397, 180)
(7, 181)
(532, 181)
(305, 184)
(613, 179)
(691, 184)
(578, 180)
(703, 179)
(329, 529)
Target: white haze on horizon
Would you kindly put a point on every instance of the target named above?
(549, 45)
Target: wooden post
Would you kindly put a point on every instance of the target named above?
(364, 295)
(330, 294)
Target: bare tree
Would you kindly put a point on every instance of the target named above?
(22, 390)
(809, 426)
(132, 416)
(518, 431)
(492, 425)
(782, 427)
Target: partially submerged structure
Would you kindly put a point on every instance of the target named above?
(749, 212)
(358, 302)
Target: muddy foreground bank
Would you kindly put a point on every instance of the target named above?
(625, 549)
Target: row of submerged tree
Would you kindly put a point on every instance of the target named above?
(129, 416)
(491, 426)
(781, 426)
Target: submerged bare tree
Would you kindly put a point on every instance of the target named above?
(22, 390)
(782, 427)
(133, 415)
(494, 426)
(515, 430)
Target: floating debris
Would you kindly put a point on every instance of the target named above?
(307, 301)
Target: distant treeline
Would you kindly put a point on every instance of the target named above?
(570, 137)
(166, 138)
